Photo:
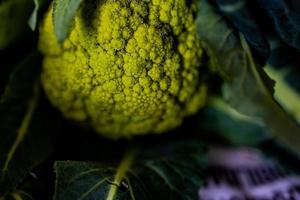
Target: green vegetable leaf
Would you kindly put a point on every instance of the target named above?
(169, 171)
(24, 141)
(64, 12)
(236, 128)
(285, 94)
(247, 88)
(32, 22)
(34, 17)
(13, 24)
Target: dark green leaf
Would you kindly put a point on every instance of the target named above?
(13, 21)
(284, 68)
(169, 171)
(247, 87)
(285, 94)
(64, 12)
(237, 128)
(24, 140)
(285, 18)
(238, 12)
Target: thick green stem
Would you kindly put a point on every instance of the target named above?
(124, 166)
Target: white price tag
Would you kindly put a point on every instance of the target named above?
(243, 174)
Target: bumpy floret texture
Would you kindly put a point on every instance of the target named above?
(128, 67)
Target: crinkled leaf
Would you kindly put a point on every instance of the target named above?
(285, 16)
(24, 140)
(247, 88)
(237, 11)
(281, 15)
(64, 12)
(169, 171)
(237, 128)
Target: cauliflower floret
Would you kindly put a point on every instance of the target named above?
(131, 69)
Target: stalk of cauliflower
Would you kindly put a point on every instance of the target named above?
(128, 67)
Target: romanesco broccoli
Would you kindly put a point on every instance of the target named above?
(128, 67)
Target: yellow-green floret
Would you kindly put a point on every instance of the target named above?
(128, 67)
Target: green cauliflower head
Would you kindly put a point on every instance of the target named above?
(128, 67)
